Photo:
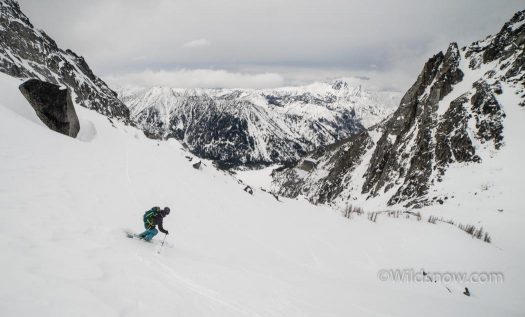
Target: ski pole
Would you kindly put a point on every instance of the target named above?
(162, 243)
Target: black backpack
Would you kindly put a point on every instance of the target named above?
(149, 217)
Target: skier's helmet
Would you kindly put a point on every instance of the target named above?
(166, 210)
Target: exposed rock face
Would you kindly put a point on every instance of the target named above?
(411, 155)
(26, 52)
(450, 115)
(53, 106)
(488, 113)
(245, 127)
(452, 140)
(319, 176)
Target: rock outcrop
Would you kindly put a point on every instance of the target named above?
(53, 105)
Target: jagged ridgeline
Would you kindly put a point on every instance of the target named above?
(26, 52)
(454, 113)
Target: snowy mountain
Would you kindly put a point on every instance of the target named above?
(26, 52)
(243, 126)
(464, 114)
(66, 200)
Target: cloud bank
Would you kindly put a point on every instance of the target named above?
(192, 78)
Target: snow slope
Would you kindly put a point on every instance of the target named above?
(65, 203)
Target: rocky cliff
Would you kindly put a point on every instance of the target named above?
(453, 115)
(26, 52)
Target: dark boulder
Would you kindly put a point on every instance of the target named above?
(53, 105)
(197, 165)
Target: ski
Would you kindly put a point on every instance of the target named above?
(135, 236)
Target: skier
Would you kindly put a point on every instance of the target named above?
(153, 218)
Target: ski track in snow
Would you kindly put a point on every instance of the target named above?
(206, 292)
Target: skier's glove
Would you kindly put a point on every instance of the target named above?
(167, 232)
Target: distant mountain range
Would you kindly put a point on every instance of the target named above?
(249, 126)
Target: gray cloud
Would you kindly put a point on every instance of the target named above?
(123, 38)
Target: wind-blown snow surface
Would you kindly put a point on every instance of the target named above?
(65, 203)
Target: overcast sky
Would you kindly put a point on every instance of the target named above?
(263, 43)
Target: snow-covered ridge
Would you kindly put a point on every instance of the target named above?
(245, 126)
(457, 131)
(26, 52)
